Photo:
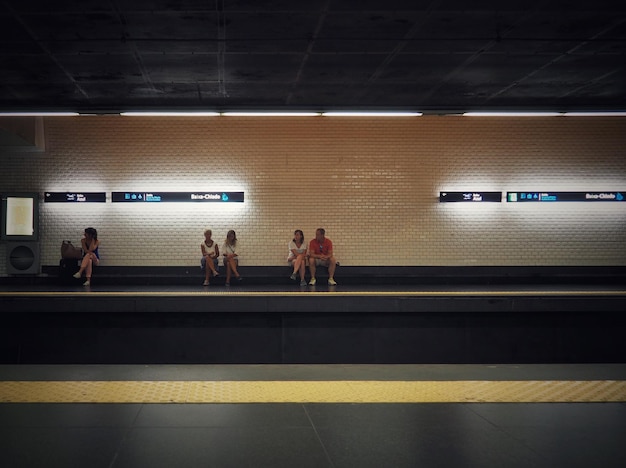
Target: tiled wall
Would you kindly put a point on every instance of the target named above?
(373, 183)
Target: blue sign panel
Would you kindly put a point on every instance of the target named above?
(529, 196)
(159, 197)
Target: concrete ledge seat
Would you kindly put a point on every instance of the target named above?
(357, 275)
(184, 275)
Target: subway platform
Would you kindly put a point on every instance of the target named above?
(382, 373)
(395, 320)
(336, 416)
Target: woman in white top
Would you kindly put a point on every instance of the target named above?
(297, 256)
(210, 254)
(231, 256)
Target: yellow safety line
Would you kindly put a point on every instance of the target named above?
(531, 391)
(311, 293)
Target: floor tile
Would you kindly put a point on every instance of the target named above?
(67, 415)
(59, 447)
(224, 447)
(270, 416)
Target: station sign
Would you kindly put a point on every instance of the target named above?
(163, 197)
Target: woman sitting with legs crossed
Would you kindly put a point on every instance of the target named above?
(91, 257)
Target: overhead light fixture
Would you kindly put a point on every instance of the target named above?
(270, 114)
(38, 114)
(169, 114)
(511, 114)
(595, 114)
(370, 114)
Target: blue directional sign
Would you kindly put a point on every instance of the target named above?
(159, 197)
(539, 196)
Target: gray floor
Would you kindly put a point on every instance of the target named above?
(314, 435)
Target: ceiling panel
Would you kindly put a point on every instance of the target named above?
(432, 56)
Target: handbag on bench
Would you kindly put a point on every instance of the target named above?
(68, 251)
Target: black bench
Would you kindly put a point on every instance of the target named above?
(357, 275)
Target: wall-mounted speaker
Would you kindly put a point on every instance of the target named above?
(22, 258)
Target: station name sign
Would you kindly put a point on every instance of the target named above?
(161, 197)
(564, 196)
(470, 197)
(75, 197)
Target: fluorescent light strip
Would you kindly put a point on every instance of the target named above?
(313, 114)
(169, 114)
(371, 114)
(38, 114)
(511, 114)
(595, 114)
(270, 114)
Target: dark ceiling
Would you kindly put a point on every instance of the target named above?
(439, 55)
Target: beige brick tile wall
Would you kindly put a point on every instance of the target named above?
(373, 183)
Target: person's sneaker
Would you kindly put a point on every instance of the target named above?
(292, 277)
(206, 283)
(332, 282)
(76, 275)
(302, 283)
(239, 278)
(312, 282)
(226, 284)
(87, 283)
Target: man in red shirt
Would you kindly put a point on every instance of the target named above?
(321, 253)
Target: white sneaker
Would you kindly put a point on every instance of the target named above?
(312, 282)
(332, 282)
(76, 275)
(87, 283)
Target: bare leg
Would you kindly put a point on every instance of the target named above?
(302, 268)
(332, 264)
(89, 268)
(233, 266)
(86, 264)
(312, 266)
(296, 264)
(228, 269)
(83, 265)
(92, 260)
(213, 270)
